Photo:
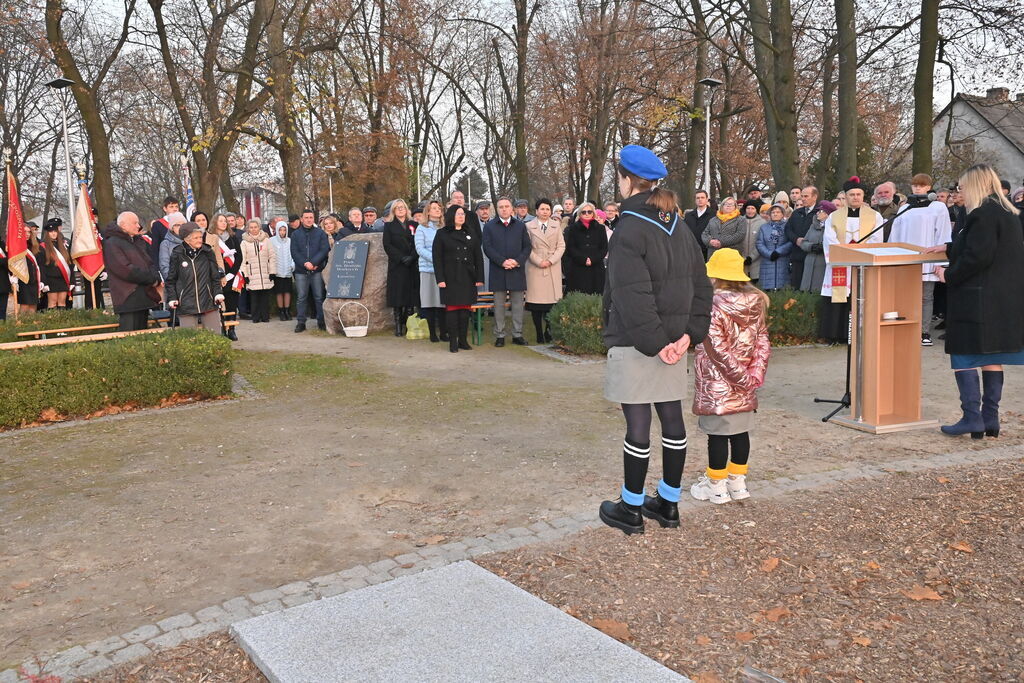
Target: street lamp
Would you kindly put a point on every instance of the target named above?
(330, 187)
(711, 84)
(56, 85)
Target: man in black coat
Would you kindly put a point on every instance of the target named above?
(5, 281)
(796, 227)
(310, 249)
(135, 285)
(697, 219)
(159, 228)
(507, 246)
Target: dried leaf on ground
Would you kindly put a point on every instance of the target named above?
(862, 640)
(962, 546)
(432, 540)
(743, 636)
(615, 629)
(873, 566)
(703, 640)
(921, 593)
(776, 613)
(943, 480)
(770, 564)
(708, 677)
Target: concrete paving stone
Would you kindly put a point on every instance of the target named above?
(295, 587)
(239, 604)
(102, 647)
(10, 676)
(142, 633)
(455, 555)
(585, 516)
(61, 661)
(454, 545)
(429, 551)
(550, 535)
(562, 522)
(478, 551)
(402, 571)
(93, 666)
(434, 563)
(381, 566)
(379, 577)
(298, 599)
(327, 579)
(518, 532)
(268, 607)
(216, 614)
(408, 558)
(167, 640)
(333, 589)
(404, 630)
(177, 621)
(129, 653)
(540, 526)
(475, 541)
(498, 537)
(356, 584)
(265, 596)
(356, 572)
(199, 630)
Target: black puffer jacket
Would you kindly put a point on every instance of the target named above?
(984, 281)
(193, 281)
(657, 287)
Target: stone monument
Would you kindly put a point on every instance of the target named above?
(374, 294)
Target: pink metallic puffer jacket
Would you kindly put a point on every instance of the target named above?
(731, 362)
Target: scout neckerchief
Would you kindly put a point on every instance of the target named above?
(665, 217)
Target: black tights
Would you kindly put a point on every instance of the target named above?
(638, 437)
(719, 446)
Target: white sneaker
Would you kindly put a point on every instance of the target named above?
(710, 489)
(737, 486)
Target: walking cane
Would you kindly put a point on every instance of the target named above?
(174, 317)
(223, 326)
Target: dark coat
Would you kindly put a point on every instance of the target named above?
(582, 243)
(310, 245)
(132, 276)
(459, 264)
(51, 273)
(193, 282)
(984, 282)
(403, 265)
(657, 288)
(796, 227)
(157, 231)
(501, 244)
(5, 281)
(697, 224)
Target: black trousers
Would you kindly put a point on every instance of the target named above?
(259, 300)
(133, 320)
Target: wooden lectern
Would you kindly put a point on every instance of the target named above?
(885, 380)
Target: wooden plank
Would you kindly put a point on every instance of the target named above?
(39, 333)
(13, 346)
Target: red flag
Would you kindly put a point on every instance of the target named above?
(17, 232)
(85, 242)
(239, 283)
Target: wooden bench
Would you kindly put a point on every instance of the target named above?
(14, 346)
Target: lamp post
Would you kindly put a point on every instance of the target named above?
(56, 85)
(330, 187)
(711, 84)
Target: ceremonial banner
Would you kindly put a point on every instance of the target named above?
(17, 233)
(85, 241)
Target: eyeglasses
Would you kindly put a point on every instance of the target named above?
(584, 213)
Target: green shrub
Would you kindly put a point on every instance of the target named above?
(577, 323)
(793, 317)
(53, 320)
(75, 380)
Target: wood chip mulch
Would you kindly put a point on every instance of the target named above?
(213, 659)
(907, 577)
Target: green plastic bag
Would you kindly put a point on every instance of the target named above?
(416, 328)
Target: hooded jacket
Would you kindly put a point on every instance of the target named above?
(729, 366)
(167, 245)
(657, 288)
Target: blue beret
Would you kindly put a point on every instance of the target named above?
(642, 162)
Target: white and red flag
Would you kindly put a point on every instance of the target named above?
(86, 247)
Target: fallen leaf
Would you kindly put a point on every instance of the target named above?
(943, 480)
(744, 636)
(707, 677)
(21, 585)
(615, 629)
(862, 640)
(921, 593)
(770, 564)
(703, 640)
(432, 540)
(873, 566)
(776, 613)
(50, 415)
(962, 546)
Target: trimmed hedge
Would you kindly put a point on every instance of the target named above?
(577, 323)
(53, 320)
(75, 380)
(576, 320)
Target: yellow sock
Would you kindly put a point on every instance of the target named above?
(733, 468)
(716, 474)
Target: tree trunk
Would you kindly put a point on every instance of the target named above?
(823, 178)
(786, 165)
(688, 182)
(227, 193)
(523, 21)
(924, 87)
(846, 161)
(283, 88)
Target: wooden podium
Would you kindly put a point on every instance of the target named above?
(885, 377)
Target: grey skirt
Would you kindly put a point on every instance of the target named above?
(430, 293)
(726, 425)
(632, 377)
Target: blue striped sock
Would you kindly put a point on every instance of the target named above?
(631, 498)
(668, 493)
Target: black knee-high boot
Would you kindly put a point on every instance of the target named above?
(538, 324)
(463, 325)
(451, 319)
(429, 314)
(398, 321)
(442, 329)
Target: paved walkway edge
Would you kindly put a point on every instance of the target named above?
(92, 658)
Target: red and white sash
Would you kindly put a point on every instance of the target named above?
(63, 267)
(149, 240)
(227, 254)
(2, 254)
(35, 264)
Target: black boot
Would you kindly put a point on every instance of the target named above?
(428, 314)
(664, 512)
(622, 516)
(538, 324)
(451, 320)
(463, 329)
(970, 403)
(231, 334)
(992, 393)
(398, 322)
(281, 315)
(443, 330)
(547, 330)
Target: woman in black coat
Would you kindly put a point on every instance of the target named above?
(459, 269)
(403, 290)
(586, 245)
(984, 303)
(193, 281)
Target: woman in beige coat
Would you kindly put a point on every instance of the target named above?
(544, 268)
(259, 263)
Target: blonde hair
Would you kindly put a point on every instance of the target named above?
(586, 205)
(979, 183)
(391, 212)
(426, 212)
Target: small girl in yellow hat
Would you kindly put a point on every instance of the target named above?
(729, 367)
